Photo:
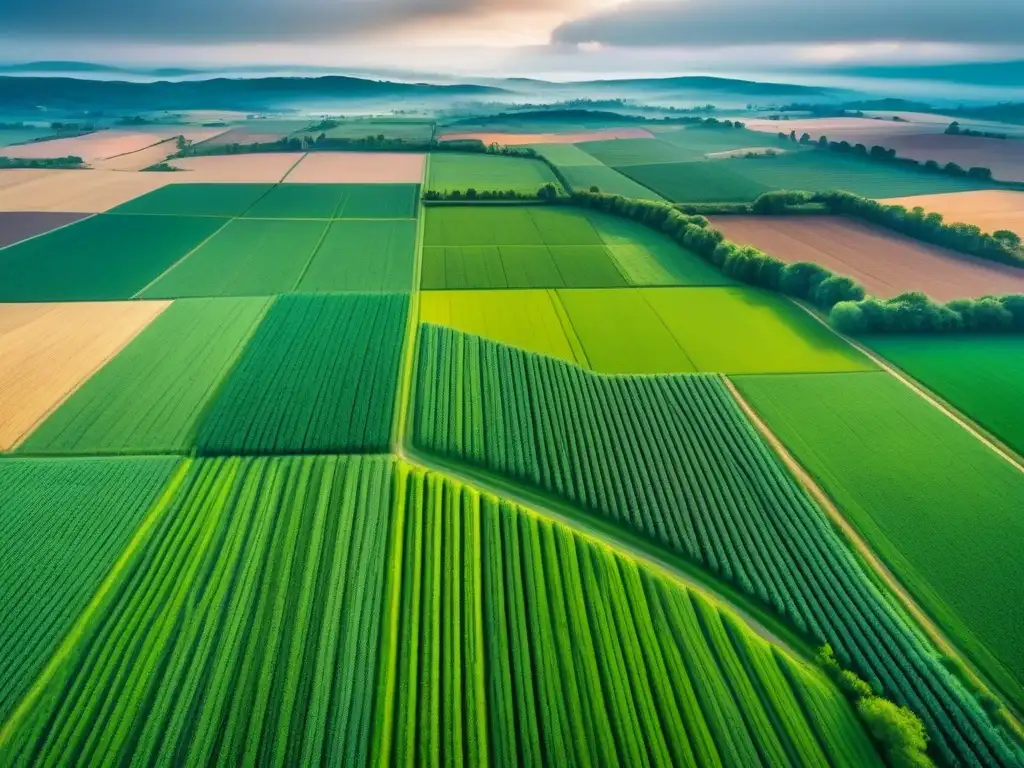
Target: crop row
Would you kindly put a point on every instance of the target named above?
(319, 376)
(329, 610)
(674, 458)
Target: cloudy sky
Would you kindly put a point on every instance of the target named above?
(555, 38)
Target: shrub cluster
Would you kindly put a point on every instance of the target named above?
(917, 313)
(70, 161)
(810, 282)
(897, 730)
(1002, 246)
(546, 193)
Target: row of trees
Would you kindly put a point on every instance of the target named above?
(70, 161)
(954, 129)
(850, 309)
(546, 193)
(881, 154)
(917, 313)
(802, 280)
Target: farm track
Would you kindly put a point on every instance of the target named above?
(867, 555)
(983, 436)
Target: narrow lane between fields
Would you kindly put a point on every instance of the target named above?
(932, 630)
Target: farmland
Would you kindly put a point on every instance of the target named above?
(452, 171)
(979, 376)
(48, 350)
(358, 168)
(150, 397)
(533, 319)
(886, 263)
(517, 639)
(664, 331)
(850, 431)
(302, 465)
(992, 210)
(65, 525)
(292, 393)
(61, 265)
(247, 257)
(674, 459)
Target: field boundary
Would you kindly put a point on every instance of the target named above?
(933, 632)
(85, 217)
(408, 360)
(295, 165)
(151, 283)
(688, 575)
(981, 435)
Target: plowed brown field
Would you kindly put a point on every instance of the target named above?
(886, 263)
(991, 210)
(48, 350)
(359, 168)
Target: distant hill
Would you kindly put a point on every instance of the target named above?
(253, 94)
(1008, 74)
(710, 84)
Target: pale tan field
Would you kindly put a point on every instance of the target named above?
(238, 169)
(887, 264)
(515, 139)
(136, 161)
(816, 126)
(14, 177)
(991, 210)
(359, 168)
(48, 350)
(91, 191)
(93, 146)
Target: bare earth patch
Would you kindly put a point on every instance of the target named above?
(887, 263)
(92, 191)
(359, 168)
(991, 210)
(93, 146)
(15, 176)
(15, 227)
(261, 168)
(48, 350)
(514, 139)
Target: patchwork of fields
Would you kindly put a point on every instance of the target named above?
(257, 420)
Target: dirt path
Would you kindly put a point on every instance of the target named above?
(661, 566)
(895, 587)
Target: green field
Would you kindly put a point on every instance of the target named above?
(701, 181)
(583, 178)
(198, 200)
(672, 458)
(299, 201)
(721, 330)
(703, 141)
(318, 376)
(341, 609)
(248, 257)
(99, 258)
(451, 171)
(821, 171)
(941, 509)
(531, 320)
(618, 153)
(243, 630)
(521, 643)
(519, 266)
(567, 155)
(64, 525)
(378, 201)
(979, 375)
(363, 256)
(404, 130)
(151, 396)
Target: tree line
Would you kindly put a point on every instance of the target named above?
(71, 161)
(850, 309)
(881, 154)
(546, 193)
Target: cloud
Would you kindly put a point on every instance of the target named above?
(230, 21)
(759, 22)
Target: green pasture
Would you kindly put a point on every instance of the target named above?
(357, 255)
(197, 200)
(453, 171)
